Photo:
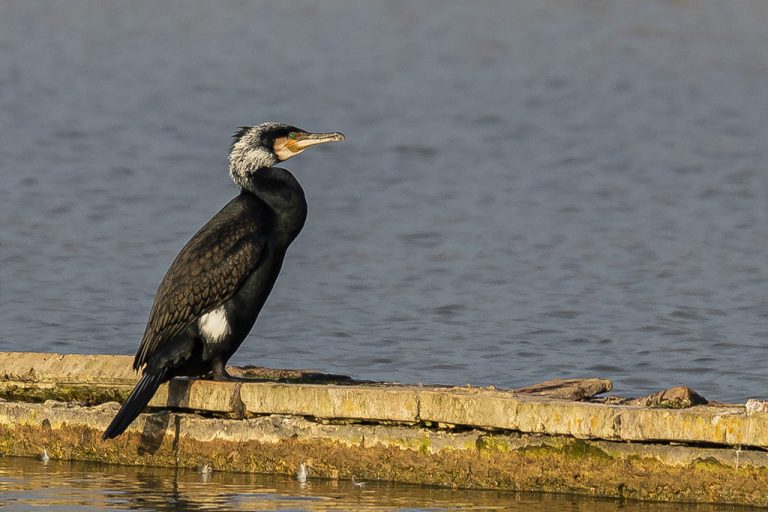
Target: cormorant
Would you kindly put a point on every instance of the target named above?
(212, 293)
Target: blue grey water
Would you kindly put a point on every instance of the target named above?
(529, 190)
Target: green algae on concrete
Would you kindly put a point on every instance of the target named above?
(81, 394)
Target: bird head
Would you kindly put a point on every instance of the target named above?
(267, 144)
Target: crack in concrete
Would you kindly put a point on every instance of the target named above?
(418, 407)
(236, 403)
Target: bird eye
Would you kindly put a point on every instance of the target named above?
(292, 135)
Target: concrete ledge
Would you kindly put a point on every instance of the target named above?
(107, 378)
(504, 440)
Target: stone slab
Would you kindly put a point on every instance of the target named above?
(199, 395)
(67, 368)
(67, 377)
(381, 403)
(497, 410)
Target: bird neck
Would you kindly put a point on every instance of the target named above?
(282, 193)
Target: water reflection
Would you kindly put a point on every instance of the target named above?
(28, 483)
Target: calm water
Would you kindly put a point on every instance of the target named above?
(28, 484)
(530, 189)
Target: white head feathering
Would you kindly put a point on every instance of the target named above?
(248, 152)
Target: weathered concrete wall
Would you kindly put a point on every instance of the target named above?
(469, 459)
(98, 379)
(463, 437)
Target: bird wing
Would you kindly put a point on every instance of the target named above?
(207, 272)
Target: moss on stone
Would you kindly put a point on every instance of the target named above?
(574, 450)
(710, 464)
(84, 394)
(491, 444)
(580, 449)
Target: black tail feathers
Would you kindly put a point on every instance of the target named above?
(138, 399)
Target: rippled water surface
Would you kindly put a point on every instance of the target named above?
(529, 190)
(28, 484)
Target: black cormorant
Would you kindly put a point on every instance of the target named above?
(212, 293)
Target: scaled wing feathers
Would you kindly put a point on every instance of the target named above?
(207, 272)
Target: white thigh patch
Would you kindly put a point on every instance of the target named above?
(214, 325)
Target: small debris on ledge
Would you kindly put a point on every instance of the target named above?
(281, 375)
(678, 397)
(568, 389)
(754, 406)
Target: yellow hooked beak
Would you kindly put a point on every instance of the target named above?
(296, 142)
